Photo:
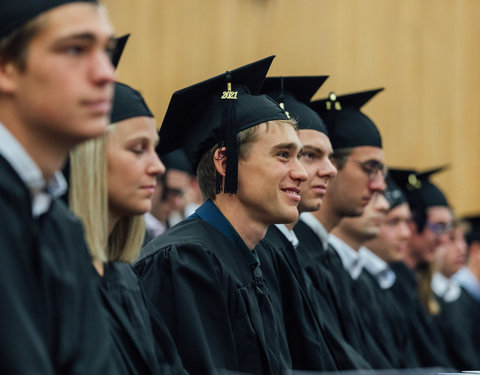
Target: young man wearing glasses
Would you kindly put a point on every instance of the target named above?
(360, 162)
(431, 222)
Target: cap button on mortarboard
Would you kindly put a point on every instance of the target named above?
(414, 182)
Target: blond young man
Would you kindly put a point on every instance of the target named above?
(203, 274)
(56, 83)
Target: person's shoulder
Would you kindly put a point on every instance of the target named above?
(13, 191)
(120, 275)
(190, 236)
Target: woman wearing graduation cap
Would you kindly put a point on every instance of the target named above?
(112, 182)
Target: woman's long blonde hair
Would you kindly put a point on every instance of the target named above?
(88, 199)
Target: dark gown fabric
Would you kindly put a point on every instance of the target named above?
(396, 322)
(142, 342)
(335, 286)
(471, 306)
(209, 288)
(51, 320)
(457, 321)
(314, 345)
(427, 341)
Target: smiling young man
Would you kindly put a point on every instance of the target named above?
(203, 275)
(56, 83)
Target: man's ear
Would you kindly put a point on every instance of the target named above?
(220, 160)
(8, 77)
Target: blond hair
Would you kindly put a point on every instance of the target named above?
(88, 199)
(424, 275)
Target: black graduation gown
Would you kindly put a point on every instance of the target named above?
(314, 345)
(456, 321)
(386, 322)
(396, 322)
(334, 285)
(427, 341)
(51, 320)
(142, 342)
(211, 292)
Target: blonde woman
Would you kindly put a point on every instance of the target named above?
(112, 182)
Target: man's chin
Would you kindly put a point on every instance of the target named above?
(310, 206)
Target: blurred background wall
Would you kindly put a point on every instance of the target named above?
(424, 52)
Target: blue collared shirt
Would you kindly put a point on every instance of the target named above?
(209, 212)
(42, 191)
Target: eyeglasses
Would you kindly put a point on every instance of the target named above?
(372, 168)
(439, 228)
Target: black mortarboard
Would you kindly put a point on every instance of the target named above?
(177, 160)
(394, 195)
(473, 232)
(214, 111)
(120, 43)
(347, 125)
(293, 94)
(16, 13)
(420, 191)
(127, 103)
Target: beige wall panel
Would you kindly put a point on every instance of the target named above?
(424, 52)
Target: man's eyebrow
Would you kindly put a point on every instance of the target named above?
(313, 148)
(86, 36)
(285, 146)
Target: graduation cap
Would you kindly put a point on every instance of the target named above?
(420, 191)
(177, 160)
(16, 13)
(127, 103)
(120, 43)
(214, 112)
(473, 232)
(293, 94)
(394, 195)
(347, 125)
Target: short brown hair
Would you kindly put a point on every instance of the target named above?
(340, 157)
(206, 172)
(14, 46)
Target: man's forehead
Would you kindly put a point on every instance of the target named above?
(277, 134)
(315, 139)
(368, 153)
(78, 19)
(439, 213)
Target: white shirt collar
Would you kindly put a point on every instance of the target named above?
(316, 226)
(445, 288)
(42, 191)
(377, 267)
(469, 282)
(154, 226)
(289, 234)
(351, 259)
